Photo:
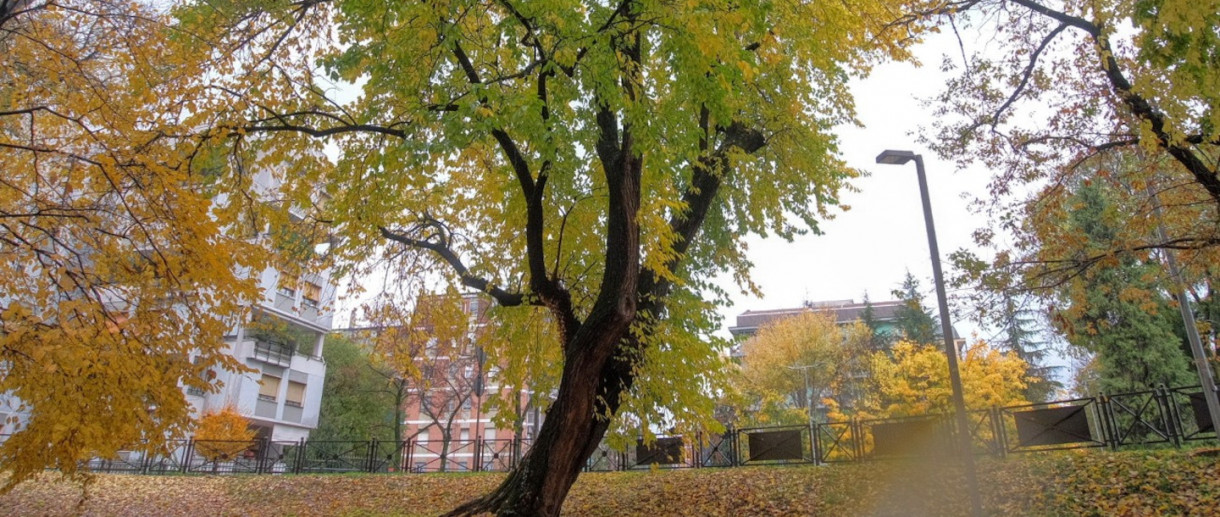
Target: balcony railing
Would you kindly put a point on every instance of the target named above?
(274, 353)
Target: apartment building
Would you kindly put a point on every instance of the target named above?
(281, 339)
(450, 421)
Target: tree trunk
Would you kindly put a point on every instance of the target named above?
(579, 416)
(570, 434)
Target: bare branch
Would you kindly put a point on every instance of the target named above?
(442, 250)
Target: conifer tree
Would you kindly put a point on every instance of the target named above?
(913, 319)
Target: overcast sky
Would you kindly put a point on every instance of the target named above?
(871, 246)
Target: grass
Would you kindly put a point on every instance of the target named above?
(1095, 482)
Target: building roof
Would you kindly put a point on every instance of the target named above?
(845, 311)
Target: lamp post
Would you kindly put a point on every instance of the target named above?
(891, 157)
(1206, 380)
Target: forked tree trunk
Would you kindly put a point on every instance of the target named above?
(578, 418)
(570, 434)
(599, 364)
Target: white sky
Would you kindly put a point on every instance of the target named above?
(871, 246)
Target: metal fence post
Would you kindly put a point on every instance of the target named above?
(857, 438)
(1109, 432)
(371, 459)
(1167, 417)
(260, 459)
(478, 454)
(731, 438)
(188, 456)
(698, 452)
(146, 461)
(998, 435)
(736, 459)
(815, 441)
(300, 459)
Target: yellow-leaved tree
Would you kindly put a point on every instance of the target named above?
(126, 238)
(597, 160)
(914, 380)
(791, 364)
(222, 435)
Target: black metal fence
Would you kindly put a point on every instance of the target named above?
(1159, 417)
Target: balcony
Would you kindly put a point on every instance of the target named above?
(273, 353)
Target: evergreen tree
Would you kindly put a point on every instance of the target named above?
(1117, 311)
(1023, 337)
(879, 338)
(913, 319)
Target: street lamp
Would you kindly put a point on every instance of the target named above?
(891, 157)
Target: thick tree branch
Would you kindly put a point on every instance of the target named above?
(1061, 17)
(1140, 106)
(618, 373)
(553, 295)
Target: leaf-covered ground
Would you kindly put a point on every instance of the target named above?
(1065, 484)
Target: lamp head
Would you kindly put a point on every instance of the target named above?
(892, 157)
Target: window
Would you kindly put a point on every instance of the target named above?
(206, 376)
(464, 435)
(269, 388)
(311, 294)
(288, 284)
(296, 394)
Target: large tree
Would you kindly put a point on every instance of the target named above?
(436, 352)
(791, 364)
(1065, 81)
(1053, 94)
(1116, 310)
(597, 159)
(363, 397)
(913, 319)
(914, 380)
(118, 274)
(1049, 87)
(1023, 333)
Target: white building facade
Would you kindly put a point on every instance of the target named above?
(281, 340)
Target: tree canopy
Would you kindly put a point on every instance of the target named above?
(914, 380)
(1113, 93)
(599, 160)
(1121, 92)
(118, 272)
(795, 358)
(361, 395)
